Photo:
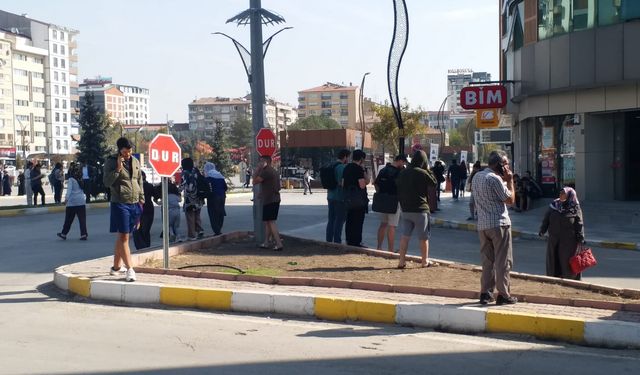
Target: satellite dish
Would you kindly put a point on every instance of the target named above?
(15, 30)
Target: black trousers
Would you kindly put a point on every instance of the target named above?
(353, 226)
(37, 190)
(215, 209)
(86, 187)
(70, 213)
(57, 192)
(142, 236)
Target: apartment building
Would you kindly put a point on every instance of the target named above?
(137, 104)
(457, 79)
(126, 104)
(107, 99)
(59, 77)
(339, 102)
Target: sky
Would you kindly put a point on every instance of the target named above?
(167, 46)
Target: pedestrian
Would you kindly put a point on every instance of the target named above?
(142, 235)
(355, 179)
(477, 167)
(306, 179)
(464, 173)
(87, 175)
(493, 191)
(564, 223)
(6, 183)
(413, 184)
(174, 199)
(216, 197)
(193, 202)
(438, 171)
(453, 175)
(335, 198)
(247, 176)
(75, 201)
(269, 181)
(27, 183)
(57, 182)
(123, 177)
(21, 183)
(531, 191)
(386, 189)
(36, 184)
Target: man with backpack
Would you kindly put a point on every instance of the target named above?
(331, 177)
(193, 198)
(386, 188)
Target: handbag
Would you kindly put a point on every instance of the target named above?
(582, 260)
(384, 203)
(355, 198)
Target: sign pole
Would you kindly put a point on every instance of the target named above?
(165, 221)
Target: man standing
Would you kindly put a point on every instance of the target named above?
(86, 181)
(122, 175)
(413, 188)
(354, 182)
(306, 179)
(269, 181)
(335, 199)
(453, 174)
(27, 183)
(492, 190)
(385, 185)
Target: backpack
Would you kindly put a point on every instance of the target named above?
(328, 176)
(52, 178)
(204, 189)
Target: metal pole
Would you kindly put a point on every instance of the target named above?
(165, 221)
(362, 123)
(257, 106)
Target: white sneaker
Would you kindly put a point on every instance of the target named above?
(114, 272)
(131, 275)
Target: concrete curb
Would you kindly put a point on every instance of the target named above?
(46, 210)
(471, 227)
(460, 319)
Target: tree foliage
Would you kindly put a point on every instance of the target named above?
(315, 123)
(455, 138)
(93, 146)
(386, 132)
(241, 133)
(220, 156)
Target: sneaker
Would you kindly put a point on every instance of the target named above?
(131, 275)
(506, 300)
(485, 298)
(64, 237)
(115, 272)
(192, 238)
(201, 234)
(83, 238)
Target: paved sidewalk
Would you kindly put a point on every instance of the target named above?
(607, 224)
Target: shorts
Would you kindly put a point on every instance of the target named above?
(125, 217)
(419, 221)
(391, 219)
(270, 211)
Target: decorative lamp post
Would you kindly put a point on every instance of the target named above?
(362, 122)
(398, 46)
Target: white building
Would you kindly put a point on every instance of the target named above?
(458, 79)
(137, 104)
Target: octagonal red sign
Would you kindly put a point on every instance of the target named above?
(265, 142)
(164, 155)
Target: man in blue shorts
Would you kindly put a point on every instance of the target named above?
(122, 175)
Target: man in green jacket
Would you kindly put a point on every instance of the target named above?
(123, 177)
(413, 184)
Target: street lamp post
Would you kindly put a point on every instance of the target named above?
(362, 122)
(439, 121)
(396, 52)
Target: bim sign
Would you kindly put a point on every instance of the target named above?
(483, 97)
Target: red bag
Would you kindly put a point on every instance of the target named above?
(582, 260)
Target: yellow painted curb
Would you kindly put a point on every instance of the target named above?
(619, 245)
(468, 227)
(178, 296)
(345, 309)
(56, 209)
(10, 213)
(515, 233)
(543, 326)
(211, 299)
(80, 286)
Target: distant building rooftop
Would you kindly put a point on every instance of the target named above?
(330, 87)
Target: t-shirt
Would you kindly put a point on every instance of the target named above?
(337, 193)
(270, 186)
(352, 173)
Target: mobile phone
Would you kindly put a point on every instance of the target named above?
(500, 169)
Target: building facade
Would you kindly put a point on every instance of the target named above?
(457, 79)
(575, 100)
(137, 104)
(128, 105)
(107, 99)
(339, 102)
(59, 76)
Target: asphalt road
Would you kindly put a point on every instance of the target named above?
(44, 332)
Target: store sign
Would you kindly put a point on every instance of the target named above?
(487, 118)
(434, 151)
(500, 136)
(483, 97)
(8, 152)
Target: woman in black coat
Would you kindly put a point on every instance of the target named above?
(6, 184)
(563, 221)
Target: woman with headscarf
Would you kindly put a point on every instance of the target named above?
(563, 221)
(75, 199)
(216, 197)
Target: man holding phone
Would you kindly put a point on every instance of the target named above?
(122, 175)
(492, 191)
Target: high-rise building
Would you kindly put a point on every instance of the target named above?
(339, 102)
(128, 105)
(456, 80)
(137, 104)
(59, 75)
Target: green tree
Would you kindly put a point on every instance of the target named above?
(315, 123)
(386, 132)
(241, 133)
(92, 146)
(220, 156)
(455, 138)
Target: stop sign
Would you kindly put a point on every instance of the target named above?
(265, 142)
(164, 155)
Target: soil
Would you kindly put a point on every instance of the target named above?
(304, 259)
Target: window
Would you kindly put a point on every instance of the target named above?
(38, 104)
(64, 104)
(37, 75)
(55, 48)
(58, 144)
(20, 72)
(22, 103)
(65, 131)
(66, 143)
(39, 90)
(58, 131)
(64, 90)
(63, 64)
(64, 117)
(584, 14)
(62, 50)
(56, 89)
(55, 34)
(55, 76)
(608, 12)
(21, 87)
(57, 117)
(19, 57)
(64, 77)
(22, 118)
(57, 104)
(61, 35)
(55, 62)
(38, 119)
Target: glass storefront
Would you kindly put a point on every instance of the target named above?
(556, 152)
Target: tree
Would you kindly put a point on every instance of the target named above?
(315, 123)
(386, 131)
(241, 133)
(92, 146)
(455, 138)
(220, 156)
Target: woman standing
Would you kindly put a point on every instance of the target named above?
(58, 183)
(564, 222)
(464, 173)
(216, 197)
(36, 184)
(6, 184)
(21, 183)
(75, 199)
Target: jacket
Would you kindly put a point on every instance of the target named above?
(124, 187)
(75, 196)
(412, 185)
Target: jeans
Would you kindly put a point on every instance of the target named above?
(70, 214)
(337, 214)
(215, 208)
